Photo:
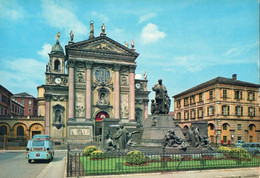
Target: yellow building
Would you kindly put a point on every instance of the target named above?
(230, 107)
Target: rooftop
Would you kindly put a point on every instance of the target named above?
(218, 80)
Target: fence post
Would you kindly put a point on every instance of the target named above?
(68, 159)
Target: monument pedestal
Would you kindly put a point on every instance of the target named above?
(156, 127)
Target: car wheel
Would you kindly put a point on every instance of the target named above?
(29, 161)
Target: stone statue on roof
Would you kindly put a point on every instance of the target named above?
(103, 29)
(71, 36)
(58, 37)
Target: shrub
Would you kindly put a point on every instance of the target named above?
(176, 157)
(97, 155)
(239, 153)
(223, 149)
(88, 150)
(135, 157)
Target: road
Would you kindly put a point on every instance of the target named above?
(15, 165)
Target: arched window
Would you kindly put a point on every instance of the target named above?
(57, 65)
(211, 127)
(20, 131)
(3, 130)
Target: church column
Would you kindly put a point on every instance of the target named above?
(71, 89)
(117, 91)
(132, 93)
(47, 114)
(88, 89)
(145, 109)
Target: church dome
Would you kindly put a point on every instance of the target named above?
(57, 49)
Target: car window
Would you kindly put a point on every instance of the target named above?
(258, 145)
(246, 145)
(252, 146)
(38, 143)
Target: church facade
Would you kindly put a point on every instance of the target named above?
(88, 84)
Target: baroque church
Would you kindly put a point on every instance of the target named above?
(91, 86)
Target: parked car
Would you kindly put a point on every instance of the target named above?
(40, 148)
(252, 148)
(239, 143)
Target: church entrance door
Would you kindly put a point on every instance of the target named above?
(98, 124)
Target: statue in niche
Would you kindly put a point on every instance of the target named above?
(102, 99)
(138, 115)
(80, 77)
(162, 105)
(58, 116)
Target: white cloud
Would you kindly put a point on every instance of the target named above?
(100, 16)
(22, 75)
(151, 33)
(146, 17)
(63, 18)
(46, 48)
(10, 10)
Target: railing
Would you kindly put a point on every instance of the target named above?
(13, 142)
(80, 165)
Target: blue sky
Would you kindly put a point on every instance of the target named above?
(183, 42)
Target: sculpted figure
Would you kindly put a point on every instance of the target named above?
(132, 44)
(58, 37)
(71, 36)
(162, 99)
(121, 137)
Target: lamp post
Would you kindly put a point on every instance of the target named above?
(216, 130)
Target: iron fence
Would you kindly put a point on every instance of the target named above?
(13, 142)
(80, 165)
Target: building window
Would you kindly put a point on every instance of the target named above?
(250, 139)
(239, 111)
(225, 126)
(225, 110)
(20, 131)
(238, 95)
(23, 102)
(57, 65)
(224, 93)
(186, 101)
(251, 111)
(30, 102)
(251, 96)
(178, 103)
(225, 139)
(211, 111)
(239, 127)
(192, 99)
(200, 112)
(29, 110)
(251, 127)
(211, 127)
(239, 138)
(186, 114)
(178, 115)
(192, 114)
(200, 97)
(211, 94)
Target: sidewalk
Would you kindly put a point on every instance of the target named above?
(215, 173)
(54, 170)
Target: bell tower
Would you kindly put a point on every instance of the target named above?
(56, 66)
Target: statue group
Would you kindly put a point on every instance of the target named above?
(120, 140)
(193, 139)
(162, 100)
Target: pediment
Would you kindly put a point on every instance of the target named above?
(102, 44)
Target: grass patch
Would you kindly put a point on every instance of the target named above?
(116, 165)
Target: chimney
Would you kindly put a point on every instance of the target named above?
(234, 76)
